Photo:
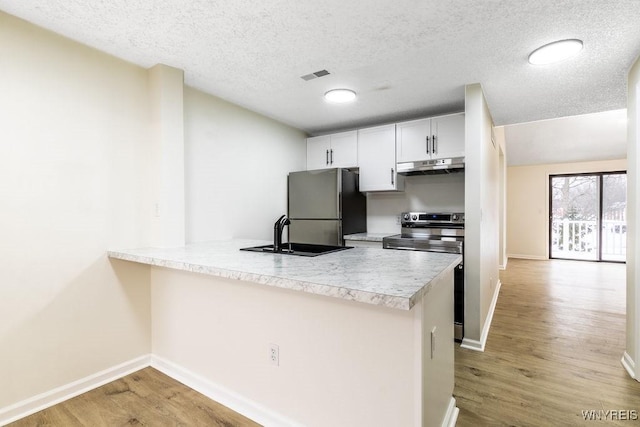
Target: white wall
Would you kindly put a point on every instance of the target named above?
(528, 204)
(502, 197)
(331, 350)
(90, 147)
(73, 144)
(220, 329)
(632, 356)
(236, 164)
(166, 155)
(429, 193)
(482, 216)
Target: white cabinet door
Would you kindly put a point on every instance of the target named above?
(377, 159)
(318, 152)
(449, 136)
(343, 152)
(413, 140)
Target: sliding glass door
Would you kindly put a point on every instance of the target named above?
(574, 213)
(588, 216)
(614, 225)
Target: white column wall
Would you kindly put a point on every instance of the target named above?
(481, 218)
(631, 358)
(167, 155)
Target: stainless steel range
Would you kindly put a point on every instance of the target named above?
(435, 232)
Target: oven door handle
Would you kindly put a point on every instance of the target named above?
(435, 249)
(402, 248)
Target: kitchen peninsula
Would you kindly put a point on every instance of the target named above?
(363, 336)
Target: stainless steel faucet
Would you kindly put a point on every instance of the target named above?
(278, 228)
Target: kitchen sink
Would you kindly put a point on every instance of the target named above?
(300, 249)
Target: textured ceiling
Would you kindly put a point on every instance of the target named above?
(405, 58)
(588, 137)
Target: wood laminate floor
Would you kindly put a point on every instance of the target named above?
(144, 398)
(554, 349)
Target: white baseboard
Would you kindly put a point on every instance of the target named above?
(629, 365)
(222, 395)
(479, 345)
(42, 401)
(504, 266)
(470, 344)
(228, 398)
(451, 417)
(524, 256)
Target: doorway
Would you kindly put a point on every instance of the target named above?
(587, 218)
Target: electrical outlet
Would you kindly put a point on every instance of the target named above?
(398, 220)
(274, 354)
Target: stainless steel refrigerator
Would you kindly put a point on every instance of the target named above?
(324, 205)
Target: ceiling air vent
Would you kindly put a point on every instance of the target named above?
(315, 75)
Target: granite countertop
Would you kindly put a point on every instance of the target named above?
(389, 278)
(368, 237)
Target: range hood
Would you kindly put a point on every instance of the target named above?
(431, 167)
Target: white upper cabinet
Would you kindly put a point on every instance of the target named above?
(377, 159)
(448, 132)
(413, 140)
(433, 138)
(338, 150)
(344, 150)
(318, 152)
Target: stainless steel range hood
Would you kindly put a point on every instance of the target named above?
(431, 167)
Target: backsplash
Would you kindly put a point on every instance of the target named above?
(429, 193)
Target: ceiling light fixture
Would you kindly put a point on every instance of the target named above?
(340, 96)
(555, 52)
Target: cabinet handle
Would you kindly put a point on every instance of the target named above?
(327, 161)
(435, 144)
(428, 141)
(331, 156)
(392, 176)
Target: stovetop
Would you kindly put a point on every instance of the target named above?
(426, 219)
(435, 232)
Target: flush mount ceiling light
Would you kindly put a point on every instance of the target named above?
(555, 52)
(340, 96)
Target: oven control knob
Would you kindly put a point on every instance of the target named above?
(414, 217)
(454, 217)
(407, 217)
